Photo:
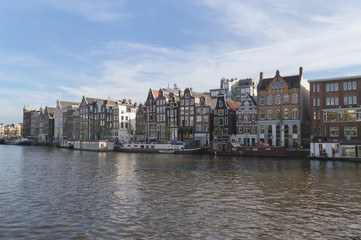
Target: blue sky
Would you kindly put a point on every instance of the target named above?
(52, 49)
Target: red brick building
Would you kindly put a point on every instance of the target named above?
(336, 109)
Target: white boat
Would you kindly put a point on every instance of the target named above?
(157, 147)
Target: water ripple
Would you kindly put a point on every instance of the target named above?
(48, 193)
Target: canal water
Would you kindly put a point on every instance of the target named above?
(50, 193)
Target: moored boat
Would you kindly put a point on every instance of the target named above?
(157, 147)
(234, 148)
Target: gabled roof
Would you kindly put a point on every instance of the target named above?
(64, 104)
(292, 81)
(232, 104)
(155, 94)
(212, 102)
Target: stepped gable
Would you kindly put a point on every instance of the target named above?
(291, 81)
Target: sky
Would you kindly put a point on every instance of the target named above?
(52, 49)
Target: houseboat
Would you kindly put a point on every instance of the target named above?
(234, 148)
(157, 147)
(100, 145)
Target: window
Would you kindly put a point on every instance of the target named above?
(205, 118)
(354, 85)
(220, 120)
(349, 85)
(191, 121)
(277, 84)
(336, 100)
(246, 118)
(262, 129)
(220, 104)
(286, 99)
(199, 127)
(295, 130)
(318, 87)
(191, 110)
(354, 99)
(327, 87)
(334, 132)
(350, 131)
(350, 100)
(332, 101)
(269, 100)
(314, 102)
(269, 114)
(286, 113)
(246, 107)
(314, 115)
(261, 115)
(345, 100)
(328, 102)
(345, 86)
(332, 87)
(205, 128)
(294, 98)
(336, 86)
(199, 119)
(294, 113)
(314, 87)
(261, 100)
(226, 121)
(318, 101)
(278, 114)
(220, 112)
(278, 99)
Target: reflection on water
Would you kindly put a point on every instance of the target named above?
(49, 193)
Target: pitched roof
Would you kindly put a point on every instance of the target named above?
(232, 104)
(91, 100)
(291, 81)
(67, 104)
(155, 93)
(212, 102)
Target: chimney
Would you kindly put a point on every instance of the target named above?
(175, 85)
(261, 76)
(301, 71)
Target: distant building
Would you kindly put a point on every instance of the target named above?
(172, 120)
(235, 88)
(46, 125)
(247, 121)
(224, 118)
(141, 121)
(26, 122)
(61, 123)
(203, 111)
(151, 115)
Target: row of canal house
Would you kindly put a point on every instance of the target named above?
(91, 119)
(277, 116)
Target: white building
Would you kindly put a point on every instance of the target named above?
(60, 120)
(123, 114)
